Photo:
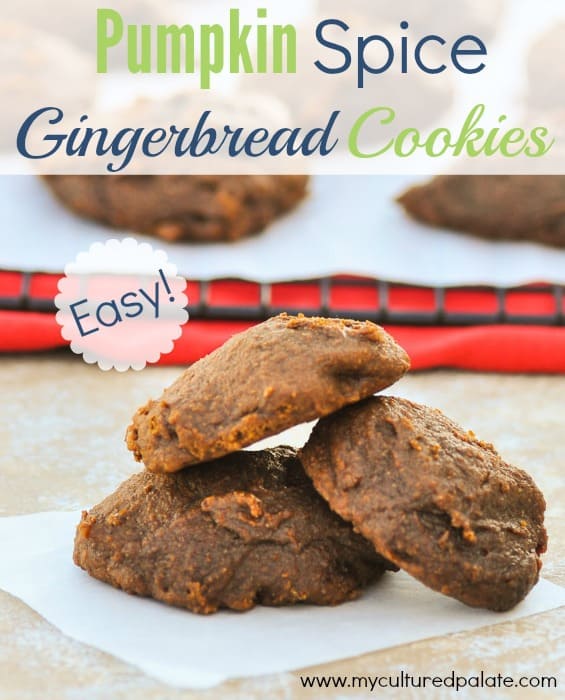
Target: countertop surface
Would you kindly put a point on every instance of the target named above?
(62, 446)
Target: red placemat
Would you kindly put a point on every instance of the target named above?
(476, 329)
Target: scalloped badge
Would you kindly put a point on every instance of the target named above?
(121, 304)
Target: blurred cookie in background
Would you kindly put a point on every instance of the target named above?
(199, 208)
(170, 204)
(76, 21)
(38, 70)
(313, 93)
(496, 207)
(478, 17)
(544, 98)
(546, 71)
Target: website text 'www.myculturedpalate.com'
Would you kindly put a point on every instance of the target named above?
(404, 680)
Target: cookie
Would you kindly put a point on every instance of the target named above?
(243, 530)
(39, 70)
(175, 206)
(478, 17)
(497, 207)
(76, 22)
(545, 74)
(283, 372)
(199, 208)
(432, 498)
(420, 100)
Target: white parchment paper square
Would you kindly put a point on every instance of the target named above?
(348, 225)
(194, 651)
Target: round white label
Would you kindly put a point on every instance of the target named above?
(121, 304)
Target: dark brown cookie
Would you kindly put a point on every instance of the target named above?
(500, 207)
(432, 498)
(246, 529)
(283, 372)
(201, 208)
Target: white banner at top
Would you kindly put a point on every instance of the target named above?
(146, 87)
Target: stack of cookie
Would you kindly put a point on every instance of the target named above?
(381, 484)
